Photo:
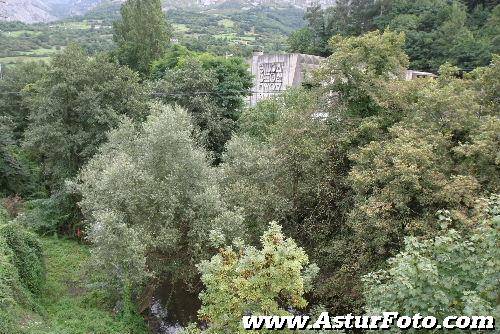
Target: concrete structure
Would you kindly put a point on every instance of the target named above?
(274, 73)
(412, 75)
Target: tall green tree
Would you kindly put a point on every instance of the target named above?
(152, 186)
(15, 79)
(211, 88)
(438, 32)
(73, 106)
(18, 174)
(142, 34)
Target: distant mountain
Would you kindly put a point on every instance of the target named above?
(30, 11)
(81, 7)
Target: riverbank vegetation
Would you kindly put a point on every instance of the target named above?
(358, 192)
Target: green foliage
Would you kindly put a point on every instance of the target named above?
(404, 155)
(436, 31)
(304, 41)
(449, 274)
(70, 303)
(18, 175)
(22, 275)
(350, 174)
(212, 89)
(73, 106)
(55, 214)
(142, 34)
(11, 291)
(150, 185)
(11, 100)
(360, 63)
(169, 61)
(243, 280)
(487, 83)
(27, 256)
(272, 168)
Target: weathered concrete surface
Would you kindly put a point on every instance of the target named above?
(274, 73)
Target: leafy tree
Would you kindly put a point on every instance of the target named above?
(170, 60)
(11, 100)
(437, 32)
(73, 106)
(364, 160)
(273, 167)
(212, 89)
(243, 280)
(142, 34)
(357, 65)
(150, 185)
(304, 41)
(18, 175)
(446, 275)
(345, 18)
(486, 81)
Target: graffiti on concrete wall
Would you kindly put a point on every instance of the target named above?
(271, 76)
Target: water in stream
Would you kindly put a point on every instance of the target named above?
(172, 307)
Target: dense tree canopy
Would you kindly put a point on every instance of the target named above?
(73, 106)
(142, 34)
(11, 100)
(151, 185)
(354, 166)
(449, 274)
(462, 33)
(212, 89)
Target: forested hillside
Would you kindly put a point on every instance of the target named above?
(464, 33)
(220, 30)
(139, 193)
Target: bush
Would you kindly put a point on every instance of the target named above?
(27, 256)
(153, 188)
(243, 280)
(22, 274)
(18, 174)
(10, 289)
(55, 214)
(447, 275)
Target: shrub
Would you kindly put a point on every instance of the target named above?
(243, 280)
(22, 274)
(446, 275)
(27, 256)
(150, 199)
(58, 213)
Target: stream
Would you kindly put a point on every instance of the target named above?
(172, 307)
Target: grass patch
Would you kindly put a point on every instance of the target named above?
(69, 305)
(76, 25)
(228, 36)
(180, 27)
(19, 33)
(42, 52)
(226, 23)
(247, 38)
